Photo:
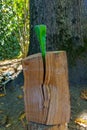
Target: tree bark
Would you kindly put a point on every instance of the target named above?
(77, 22)
(44, 12)
(53, 15)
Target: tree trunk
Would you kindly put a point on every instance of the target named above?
(77, 22)
(45, 12)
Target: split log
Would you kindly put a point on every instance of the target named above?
(47, 102)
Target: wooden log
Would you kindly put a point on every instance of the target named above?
(47, 102)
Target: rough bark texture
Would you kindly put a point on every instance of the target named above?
(77, 21)
(57, 15)
(43, 13)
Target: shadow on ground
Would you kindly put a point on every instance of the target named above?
(11, 106)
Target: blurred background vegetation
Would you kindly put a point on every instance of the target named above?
(14, 28)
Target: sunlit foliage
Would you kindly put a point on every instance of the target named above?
(14, 28)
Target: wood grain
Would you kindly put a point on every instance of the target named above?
(49, 102)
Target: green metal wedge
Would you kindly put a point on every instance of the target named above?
(40, 31)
